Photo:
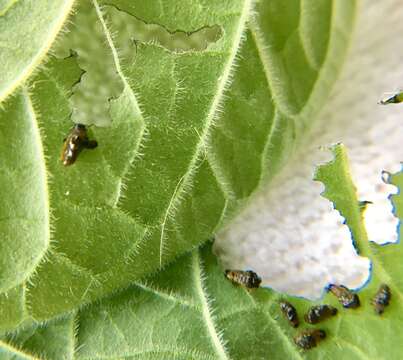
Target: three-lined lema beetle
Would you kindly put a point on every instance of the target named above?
(248, 279)
(319, 313)
(290, 313)
(308, 339)
(381, 299)
(345, 296)
(74, 143)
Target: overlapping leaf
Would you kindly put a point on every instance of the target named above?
(190, 311)
(184, 137)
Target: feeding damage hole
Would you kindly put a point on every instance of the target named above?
(103, 42)
(134, 29)
(298, 257)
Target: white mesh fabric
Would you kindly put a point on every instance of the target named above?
(289, 234)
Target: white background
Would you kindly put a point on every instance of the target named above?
(289, 234)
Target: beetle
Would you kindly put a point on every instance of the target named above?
(394, 99)
(345, 296)
(381, 299)
(74, 143)
(319, 313)
(363, 204)
(308, 339)
(290, 313)
(249, 279)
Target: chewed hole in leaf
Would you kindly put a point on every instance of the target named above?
(104, 43)
(135, 29)
(300, 244)
(100, 80)
(380, 221)
(363, 126)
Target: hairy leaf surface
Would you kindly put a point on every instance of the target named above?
(190, 311)
(185, 133)
(27, 31)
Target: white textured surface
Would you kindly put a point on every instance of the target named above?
(291, 235)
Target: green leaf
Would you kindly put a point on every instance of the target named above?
(27, 31)
(190, 311)
(356, 334)
(25, 222)
(186, 134)
(55, 340)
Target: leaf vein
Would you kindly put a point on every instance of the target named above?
(43, 178)
(7, 7)
(12, 349)
(169, 297)
(216, 337)
(36, 60)
(355, 348)
(193, 354)
(282, 336)
(131, 93)
(213, 111)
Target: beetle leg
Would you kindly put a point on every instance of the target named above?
(91, 144)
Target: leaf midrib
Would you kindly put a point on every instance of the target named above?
(12, 349)
(42, 182)
(216, 339)
(265, 311)
(132, 95)
(10, 4)
(195, 355)
(215, 106)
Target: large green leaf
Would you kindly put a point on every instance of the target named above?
(25, 223)
(190, 311)
(185, 136)
(27, 31)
